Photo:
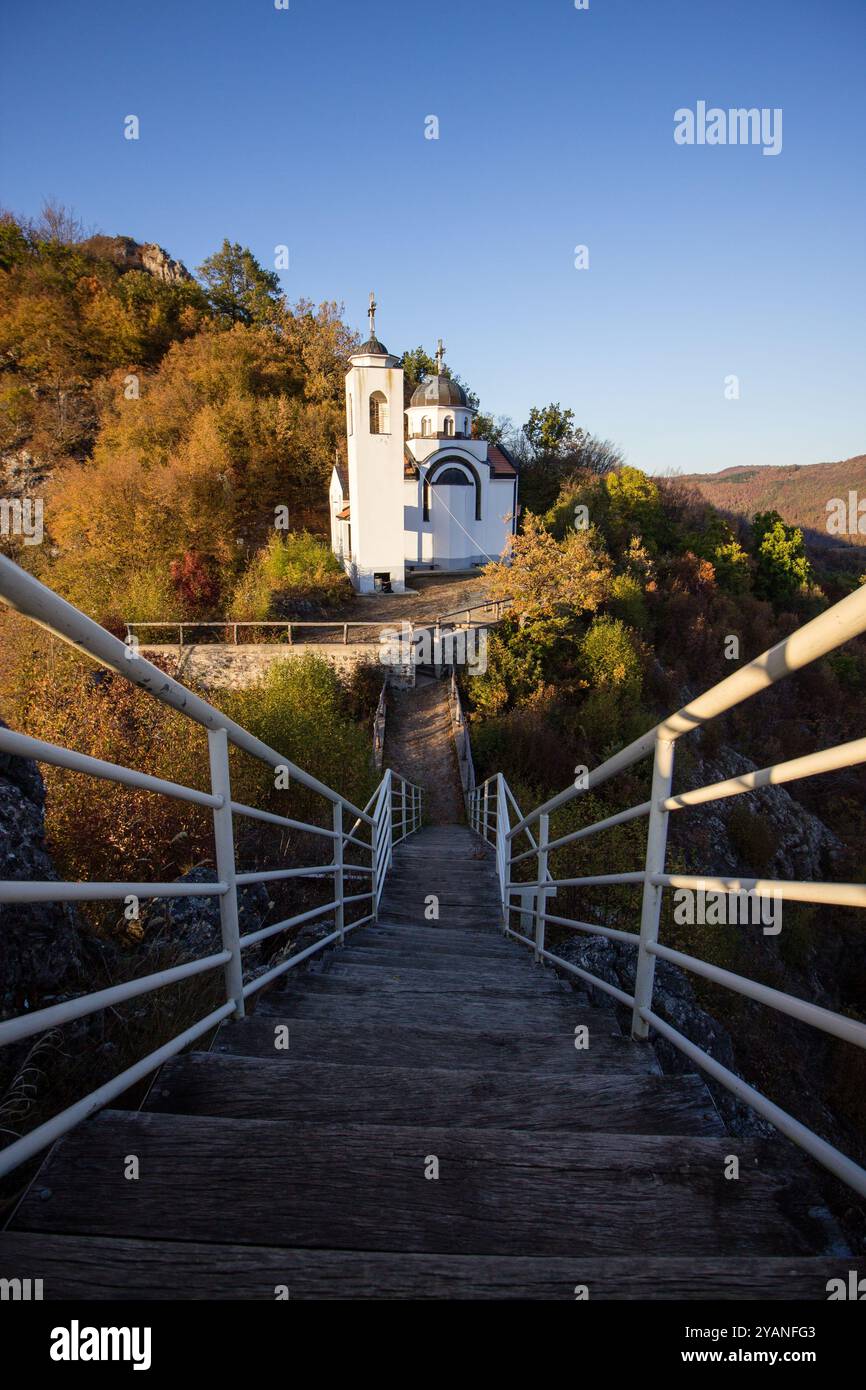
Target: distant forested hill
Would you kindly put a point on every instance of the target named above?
(799, 494)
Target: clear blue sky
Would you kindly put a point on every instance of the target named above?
(306, 127)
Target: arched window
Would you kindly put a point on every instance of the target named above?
(425, 427)
(449, 426)
(467, 427)
(444, 471)
(379, 413)
(349, 420)
(453, 475)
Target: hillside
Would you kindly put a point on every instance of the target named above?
(800, 493)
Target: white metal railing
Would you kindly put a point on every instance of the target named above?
(462, 741)
(493, 608)
(392, 813)
(491, 805)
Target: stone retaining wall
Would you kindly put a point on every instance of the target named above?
(226, 667)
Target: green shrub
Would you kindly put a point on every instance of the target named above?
(628, 601)
(609, 658)
(288, 572)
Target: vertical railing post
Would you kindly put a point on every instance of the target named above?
(340, 911)
(403, 830)
(656, 841)
(389, 821)
(486, 818)
(504, 848)
(224, 855)
(374, 857)
(541, 879)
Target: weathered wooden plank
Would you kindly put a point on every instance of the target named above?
(442, 964)
(434, 957)
(372, 1044)
(452, 916)
(388, 936)
(202, 1083)
(422, 986)
(318, 997)
(523, 983)
(298, 1185)
(73, 1267)
(448, 976)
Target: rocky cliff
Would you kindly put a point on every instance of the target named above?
(128, 254)
(41, 944)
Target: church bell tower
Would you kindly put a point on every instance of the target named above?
(374, 424)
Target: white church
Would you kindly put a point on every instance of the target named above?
(419, 493)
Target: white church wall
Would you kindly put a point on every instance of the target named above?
(452, 538)
(438, 415)
(335, 500)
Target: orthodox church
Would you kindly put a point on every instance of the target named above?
(418, 492)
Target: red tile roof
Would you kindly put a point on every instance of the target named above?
(500, 464)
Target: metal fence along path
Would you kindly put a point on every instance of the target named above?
(392, 813)
(413, 1105)
(495, 814)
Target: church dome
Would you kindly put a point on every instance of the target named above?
(372, 348)
(439, 390)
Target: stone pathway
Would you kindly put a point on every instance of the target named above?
(419, 743)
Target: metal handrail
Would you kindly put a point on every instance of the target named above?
(489, 806)
(38, 603)
(289, 625)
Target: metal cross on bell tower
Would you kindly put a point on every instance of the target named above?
(371, 313)
(440, 357)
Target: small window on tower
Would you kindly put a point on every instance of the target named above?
(425, 428)
(379, 413)
(449, 425)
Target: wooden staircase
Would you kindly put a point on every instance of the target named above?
(431, 1131)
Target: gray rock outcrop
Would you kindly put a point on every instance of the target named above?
(41, 944)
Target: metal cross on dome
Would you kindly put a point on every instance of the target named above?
(372, 313)
(440, 357)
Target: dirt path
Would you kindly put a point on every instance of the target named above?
(432, 595)
(419, 743)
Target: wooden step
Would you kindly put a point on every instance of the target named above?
(481, 937)
(202, 1083)
(371, 1044)
(323, 995)
(443, 972)
(432, 937)
(451, 917)
(452, 877)
(438, 959)
(520, 982)
(72, 1267)
(315, 996)
(499, 1192)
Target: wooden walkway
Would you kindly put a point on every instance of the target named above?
(431, 1131)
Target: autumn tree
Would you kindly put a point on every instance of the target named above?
(543, 577)
(232, 425)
